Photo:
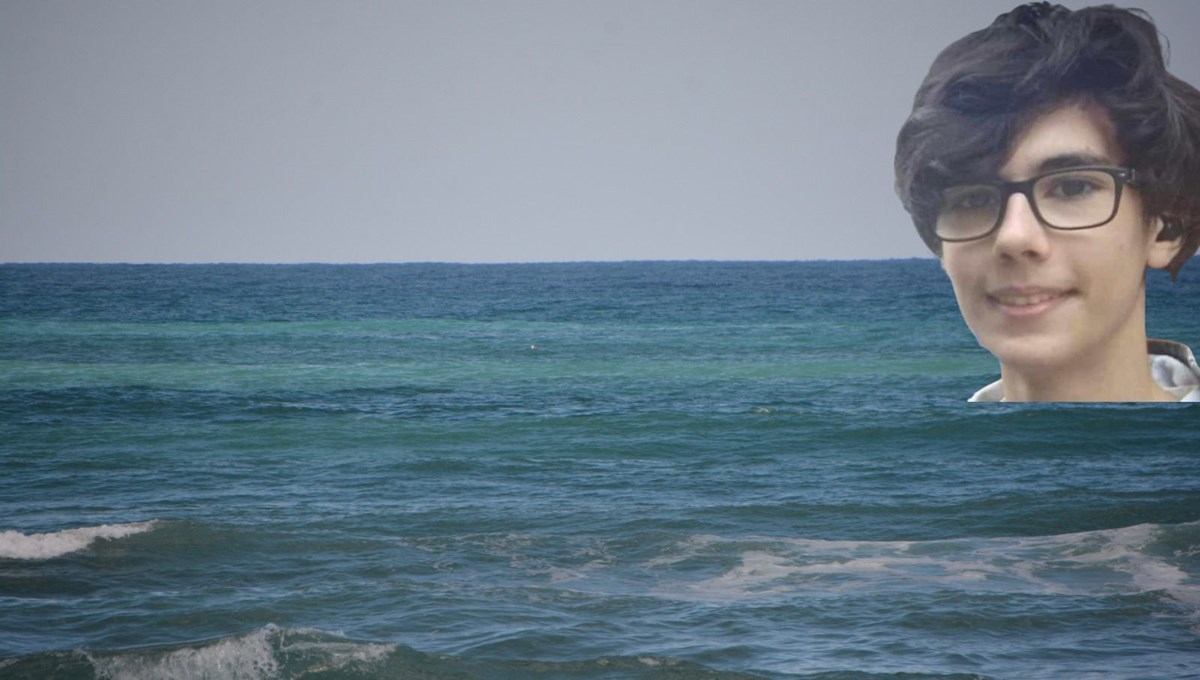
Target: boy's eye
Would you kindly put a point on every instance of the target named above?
(1070, 188)
(1074, 186)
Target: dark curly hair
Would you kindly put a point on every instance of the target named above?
(982, 90)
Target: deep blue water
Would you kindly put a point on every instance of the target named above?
(620, 470)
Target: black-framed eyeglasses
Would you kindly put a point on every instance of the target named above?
(1072, 198)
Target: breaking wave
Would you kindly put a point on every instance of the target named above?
(16, 545)
(274, 653)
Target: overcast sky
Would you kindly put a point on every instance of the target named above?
(468, 131)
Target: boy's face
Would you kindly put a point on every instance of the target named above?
(1039, 298)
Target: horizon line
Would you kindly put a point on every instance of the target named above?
(446, 262)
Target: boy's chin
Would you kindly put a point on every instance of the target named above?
(1030, 353)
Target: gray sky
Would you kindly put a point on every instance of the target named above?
(468, 131)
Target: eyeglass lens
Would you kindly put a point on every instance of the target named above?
(1076, 199)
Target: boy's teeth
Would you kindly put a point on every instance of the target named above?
(1026, 300)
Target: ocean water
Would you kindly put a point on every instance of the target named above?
(658, 470)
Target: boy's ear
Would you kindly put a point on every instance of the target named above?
(1167, 242)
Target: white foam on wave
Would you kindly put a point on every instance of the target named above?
(1100, 562)
(15, 545)
(686, 549)
(257, 655)
(339, 654)
(757, 572)
(247, 657)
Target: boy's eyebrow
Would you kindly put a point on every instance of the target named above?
(1063, 161)
(1072, 160)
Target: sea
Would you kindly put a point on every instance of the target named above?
(652, 470)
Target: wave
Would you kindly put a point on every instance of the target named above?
(16, 545)
(270, 652)
(274, 653)
(1143, 558)
(281, 653)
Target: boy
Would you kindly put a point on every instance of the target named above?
(1048, 161)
